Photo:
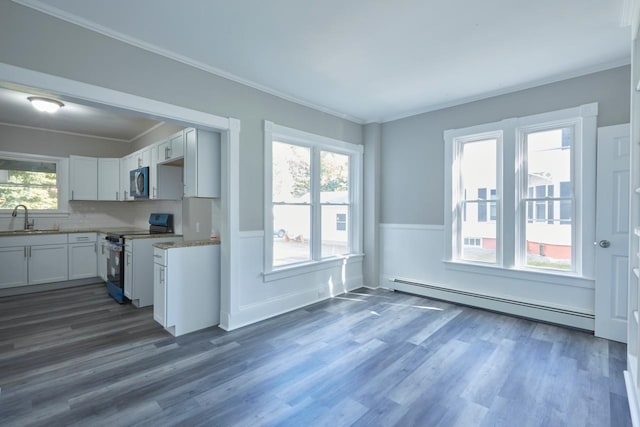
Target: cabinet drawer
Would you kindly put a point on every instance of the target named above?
(82, 237)
(160, 256)
(40, 239)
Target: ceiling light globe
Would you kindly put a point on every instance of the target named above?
(45, 105)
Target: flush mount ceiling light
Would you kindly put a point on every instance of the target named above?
(45, 104)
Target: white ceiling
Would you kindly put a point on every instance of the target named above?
(370, 60)
(73, 118)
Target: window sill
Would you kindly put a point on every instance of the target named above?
(310, 267)
(560, 278)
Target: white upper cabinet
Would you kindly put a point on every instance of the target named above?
(83, 178)
(125, 168)
(171, 149)
(142, 158)
(201, 163)
(109, 179)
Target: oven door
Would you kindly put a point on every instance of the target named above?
(115, 271)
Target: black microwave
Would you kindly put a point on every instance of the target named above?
(139, 183)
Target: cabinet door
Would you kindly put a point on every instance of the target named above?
(83, 178)
(159, 294)
(176, 145)
(124, 178)
(108, 179)
(103, 256)
(47, 263)
(128, 275)
(14, 266)
(153, 172)
(82, 260)
(163, 151)
(190, 163)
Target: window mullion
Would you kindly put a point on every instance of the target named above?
(316, 220)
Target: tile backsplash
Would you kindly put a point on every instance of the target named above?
(88, 214)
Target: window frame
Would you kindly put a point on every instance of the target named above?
(584, 120)
(523, 197)
(317, 143)
(457, 194)
(62, 184)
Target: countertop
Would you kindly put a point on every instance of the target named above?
(88, 230)
(192, 243)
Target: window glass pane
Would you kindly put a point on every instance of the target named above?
(32, 183)
(335, 238)
(549, 245)
(548, 239)
(479, 238)
(478, 174)
(291, 173)
(334, 177)
(291, 234)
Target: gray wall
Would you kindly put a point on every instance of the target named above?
(413, 148)
(47, 143)
(39, 42)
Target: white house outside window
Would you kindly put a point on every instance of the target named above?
(520, 193)
(312, 198)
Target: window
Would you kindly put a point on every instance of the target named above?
(313, 190)
(533, 188)
(34, 181)
(478, 171)
(547, 159)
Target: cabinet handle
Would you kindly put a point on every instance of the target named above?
(154, 192)
(170, 150)
(162, 276)
(25, 251)
(139, 162)
(127, 259)
(72, 195)
(102, 246)
(166, 153)
(157, 256)
(95, 248)
(125, 194)
(29, 251)
(117, 198)
(82, 238)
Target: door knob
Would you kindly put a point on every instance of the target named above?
(604, 243)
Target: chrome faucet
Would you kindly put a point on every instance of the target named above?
(28, 225)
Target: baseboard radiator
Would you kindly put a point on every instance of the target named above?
(495, 299)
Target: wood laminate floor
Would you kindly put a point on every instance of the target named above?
(368, 358)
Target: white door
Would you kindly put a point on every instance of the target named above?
(612, 232)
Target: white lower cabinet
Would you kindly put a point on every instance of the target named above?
(33, 260)
(138, 268)
(82, 256)
(16, 258)
(187, 288)
(47, 263)
(159, 294)
(103, 256)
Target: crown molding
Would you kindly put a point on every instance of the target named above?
(84, 135)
